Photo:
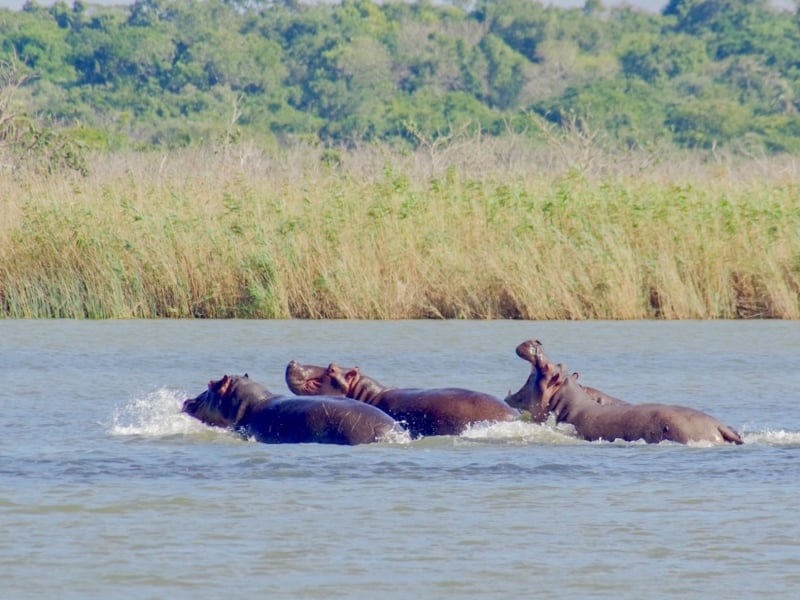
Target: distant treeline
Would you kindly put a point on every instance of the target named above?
(703, 74)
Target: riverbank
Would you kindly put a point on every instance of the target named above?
(478, 232)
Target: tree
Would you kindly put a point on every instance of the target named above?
(707, 123)
(737, 27)
(654, 58)
(630, 111)
(35, 40)
(505, 72)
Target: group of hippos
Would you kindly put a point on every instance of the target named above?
(334, 405)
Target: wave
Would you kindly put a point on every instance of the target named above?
(522, 432)
(770, 437)
(156, 414)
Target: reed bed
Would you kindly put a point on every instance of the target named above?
(478, 231)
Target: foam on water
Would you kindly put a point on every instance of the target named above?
(157, 413)
(522, 431)
(788, 439)
(549, 432)
(397, 436)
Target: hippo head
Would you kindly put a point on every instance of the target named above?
(311, 380)
(343, 379)
(543, 382)
(217, 405)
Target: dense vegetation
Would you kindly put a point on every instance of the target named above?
(705, 74)
(364, 159)
(482, 230)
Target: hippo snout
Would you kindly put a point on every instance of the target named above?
(294, 376)
(192, 406)
(294, 371)
(530, 350)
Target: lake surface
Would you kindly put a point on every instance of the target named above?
(108, 491)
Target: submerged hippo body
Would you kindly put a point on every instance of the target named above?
(550, 389)
(437, 411)
(239, 403)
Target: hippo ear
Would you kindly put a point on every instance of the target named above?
(215, 385)
(224, 385)
(575, 375)
(348, 377)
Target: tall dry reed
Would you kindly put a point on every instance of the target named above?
(478, 230)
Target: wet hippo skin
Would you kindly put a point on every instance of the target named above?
(550, 389)
(239, 403)
(435, 411)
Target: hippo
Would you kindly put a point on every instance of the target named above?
(239, 403)
(437, 411)
(551, 389)
(598, 396)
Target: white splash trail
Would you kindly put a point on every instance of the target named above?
(522, 431)
(770, 437)
(157, 413)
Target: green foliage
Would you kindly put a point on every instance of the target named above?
(735, 27)
(26, 143)
(780, 133)
(627, 109)
(707, 123)
(505, 73)
(183, 72)
(655, 58)
(37, 44)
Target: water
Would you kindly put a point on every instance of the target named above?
(106, 490)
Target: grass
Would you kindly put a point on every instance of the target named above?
(479, 231)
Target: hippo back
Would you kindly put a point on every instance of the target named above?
(320, 419)
(442, 411)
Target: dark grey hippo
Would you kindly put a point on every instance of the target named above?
(551, 389)
(239, 403)
(434, 411)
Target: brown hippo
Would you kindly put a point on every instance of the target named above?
(598, 396)
(439, 411)
(551, 389)
(241, 404)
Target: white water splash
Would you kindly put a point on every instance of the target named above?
(769, 437)
(549, 432)
(522, 432)
(397, 436)
(155, 414)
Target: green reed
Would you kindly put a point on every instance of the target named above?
(389, 236)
